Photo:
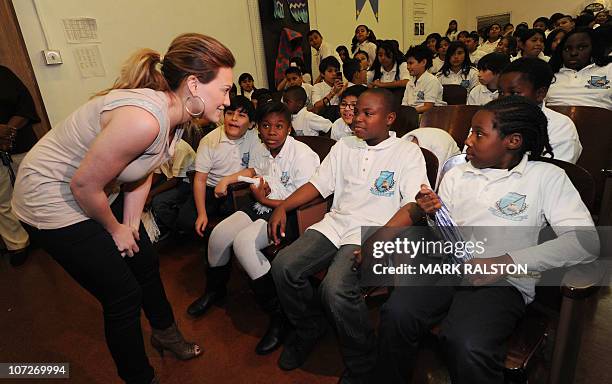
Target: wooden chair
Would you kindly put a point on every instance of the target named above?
(454, 94)
(594, 126)
(454, 119)
(407, 120)
(563, 306)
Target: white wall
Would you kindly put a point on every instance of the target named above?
(123, 27)
(521, 10)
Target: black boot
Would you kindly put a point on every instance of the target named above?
(265, 295)
(216, 290)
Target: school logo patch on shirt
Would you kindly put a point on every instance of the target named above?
(598, 82)
(511, 207)
(420, 95)
(383, 185)
(245, 159)
(284, 179)
(465, 84)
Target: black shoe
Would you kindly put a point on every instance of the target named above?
(274, 336)
(204, 302)
(296, 352)
(216, 282)
(18, 257)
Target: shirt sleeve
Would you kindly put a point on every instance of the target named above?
(414, 172)
(403, 71)
(433, 91)
(317, 93)
(318, 123)
(472, 100)
(203, 159)
(567, 145)
(324, 179)
(577, 240)
(257, 160)
(473, 78)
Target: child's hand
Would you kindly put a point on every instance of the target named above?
(479, 280)
(200, 224)
(276, 225)
(338, 87)
(260, 191)
(374, 84)
(427, 200)
(221, 188)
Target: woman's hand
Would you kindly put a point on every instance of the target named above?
(200, 224)
(125, 238)
(427, 200)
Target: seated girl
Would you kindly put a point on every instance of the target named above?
(502, 185)
(531, 43)
(389, 69)
(282, 165)
(582, 72)
(457, 68)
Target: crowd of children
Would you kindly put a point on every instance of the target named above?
(378, 179)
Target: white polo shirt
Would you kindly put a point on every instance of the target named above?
(488, 47)
(476, 56)
(340, 129)
(588, 87)
(219, 156)
(480, 95)
(436, 65)
(306, 123)
(290, 169)
(436, 140)
(369, 185)
(320, 90)
(563, 136)
(468, 81)
(531, 195)
(427, 89)
(541, 56)
(389, 76)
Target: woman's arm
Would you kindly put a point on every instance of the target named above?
(127, 132)
(199, 197)
(134, 198)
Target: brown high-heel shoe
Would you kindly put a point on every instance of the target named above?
(172, 340)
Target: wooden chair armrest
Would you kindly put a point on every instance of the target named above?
(312, 212)
(582, 281)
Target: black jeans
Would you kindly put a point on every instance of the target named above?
(475, 325)
(122, 285)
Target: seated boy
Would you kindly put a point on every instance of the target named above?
(304, 122)
(327, 92)
(222, 155)
(370, 186)
(354, 74)
(423, 90)
(489, 68)
(348, 101)
(293, 76)
(471, 42)
(531, 78)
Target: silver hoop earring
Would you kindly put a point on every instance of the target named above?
(192, 109)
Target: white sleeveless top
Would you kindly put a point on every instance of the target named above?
(42, 195)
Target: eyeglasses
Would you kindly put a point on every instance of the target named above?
(347, 106)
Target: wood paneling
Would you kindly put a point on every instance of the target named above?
(14, 55)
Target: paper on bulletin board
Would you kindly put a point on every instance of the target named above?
(89, 61)
(81, 30)
(421, 15)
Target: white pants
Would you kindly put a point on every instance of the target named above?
(11, 231)
(247, 237)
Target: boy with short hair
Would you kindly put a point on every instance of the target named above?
(489, 69)
(293, 76)
(471, 42)
(423, 90)
(304, 122)
(348, 101)
(354, 74)
(327, 92)
(370, 188)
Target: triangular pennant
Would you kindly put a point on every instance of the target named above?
(358, 7)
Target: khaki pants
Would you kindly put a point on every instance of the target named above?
(11, 231)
